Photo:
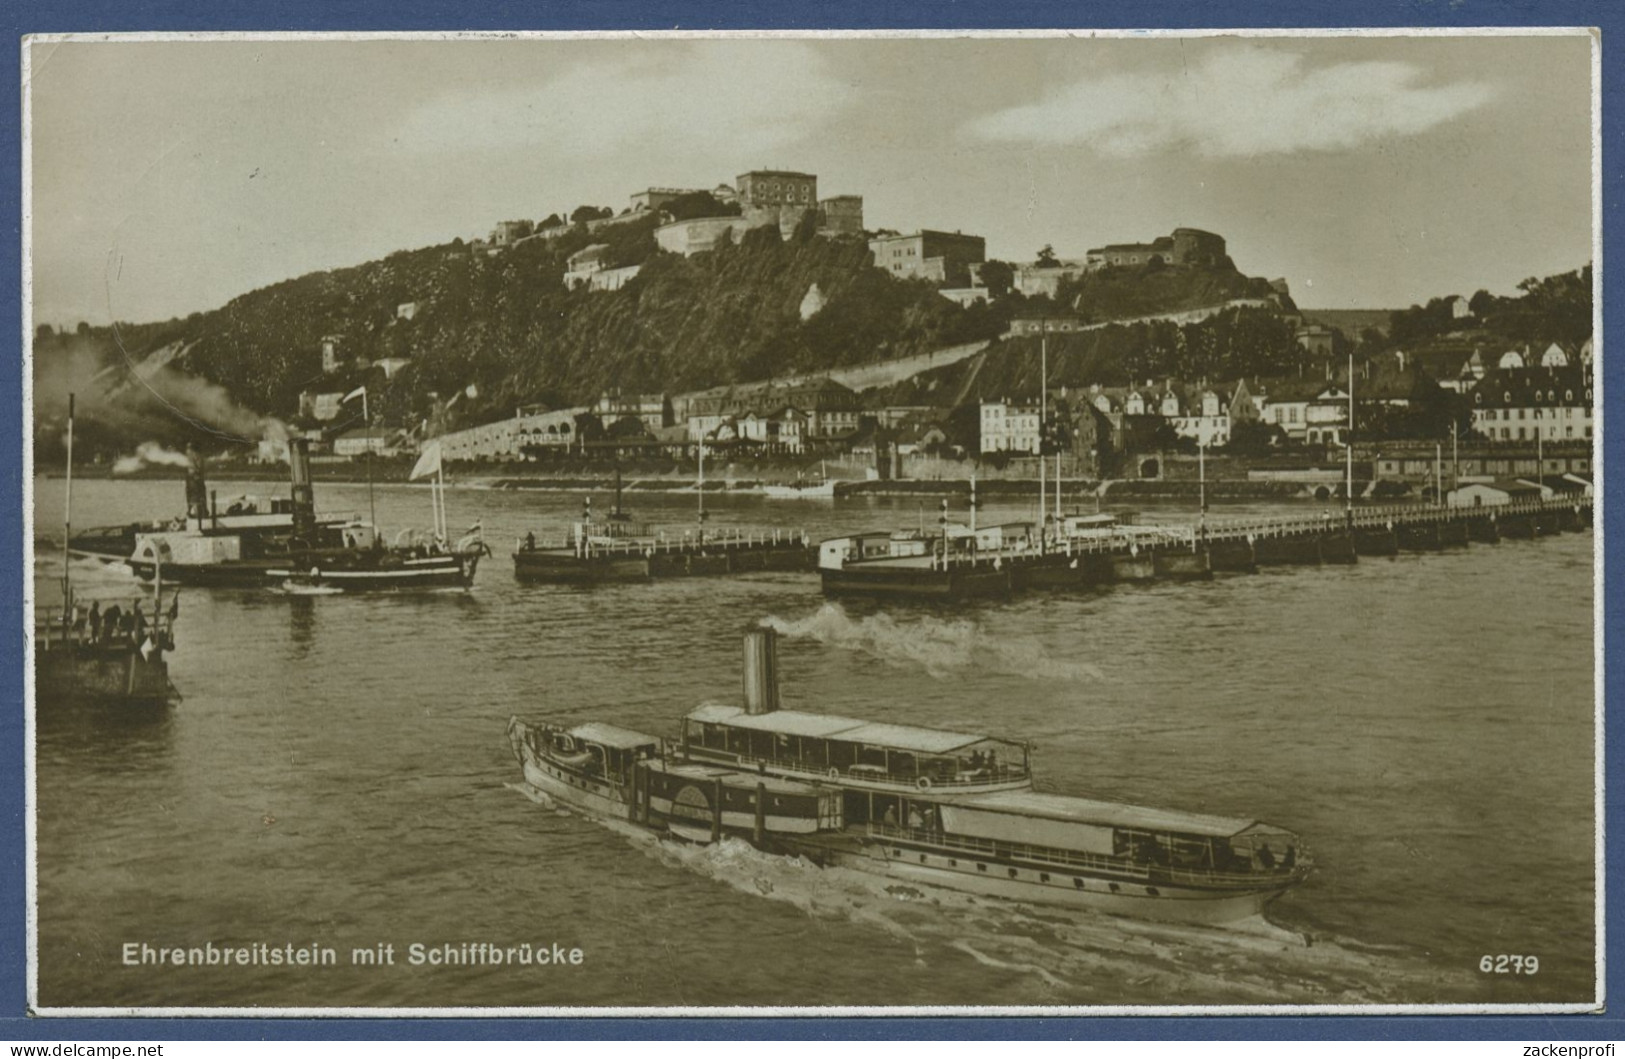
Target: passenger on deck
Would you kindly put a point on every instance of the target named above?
(1290, 859)
(530, 541)
(93, 623)
(890, 816)
(110, 622)
(1266, 857)
(915, 820)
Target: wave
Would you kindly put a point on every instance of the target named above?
(1068, 956)
(1075, 957)
(942, 648)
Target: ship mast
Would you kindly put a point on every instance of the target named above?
(1043, 414)
(67, 526)
(1348, 487)
(366, 419)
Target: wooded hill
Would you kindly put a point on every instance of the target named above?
(505, 324)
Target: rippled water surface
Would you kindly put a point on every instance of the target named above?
(338, 775)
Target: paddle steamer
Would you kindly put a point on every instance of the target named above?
(923, 805)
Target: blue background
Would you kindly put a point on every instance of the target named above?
(383, 15)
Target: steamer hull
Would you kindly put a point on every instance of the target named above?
(948, 809)
(1168, 903)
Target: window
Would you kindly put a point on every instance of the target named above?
(1077, 882)
(1043, 876)
(1012, 873)
(981, 867)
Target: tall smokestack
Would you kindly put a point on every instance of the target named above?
(304, 497)
(761, 671)
(197, 489)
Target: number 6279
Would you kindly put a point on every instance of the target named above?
(1505, 964)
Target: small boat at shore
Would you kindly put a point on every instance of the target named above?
(820, 488)
(922, 805)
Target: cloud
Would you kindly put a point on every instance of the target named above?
(1241, 102)
(711, 94)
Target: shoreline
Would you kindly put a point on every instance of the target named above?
(1219, 490)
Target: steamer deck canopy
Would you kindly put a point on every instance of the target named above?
(1110, 814)
(612, 737)
(884, 752)
(1195, 841)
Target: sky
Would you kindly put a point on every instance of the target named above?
(1370, 172)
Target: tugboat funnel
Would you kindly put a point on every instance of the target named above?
(197, 490)
(761, 671)
(304, 497)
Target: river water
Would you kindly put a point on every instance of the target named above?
(338, 775)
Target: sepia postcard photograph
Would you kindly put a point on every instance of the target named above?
(975, 522)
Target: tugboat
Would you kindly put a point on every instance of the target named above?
(821, 488)
(367, 565)
(93, 656)
(238, 549)
(243, 527)
(922, 805)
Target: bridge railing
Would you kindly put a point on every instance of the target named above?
(723, 540)
(1387, 516)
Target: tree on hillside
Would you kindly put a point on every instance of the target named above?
(590, 213)
(626, 427)
(998, 277)
(1254, 438)
(588, 427)
(1047, 258)
(697, 204)
(806, 228)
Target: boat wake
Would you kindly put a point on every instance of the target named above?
(87, 571)
(534, 794)
(290, 588)
(942, 648)
(1050, 956)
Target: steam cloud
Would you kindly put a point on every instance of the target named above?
(147, 454)
(153, 400)
(942, 648)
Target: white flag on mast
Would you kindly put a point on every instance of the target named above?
(359, 391)
(428, 463)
